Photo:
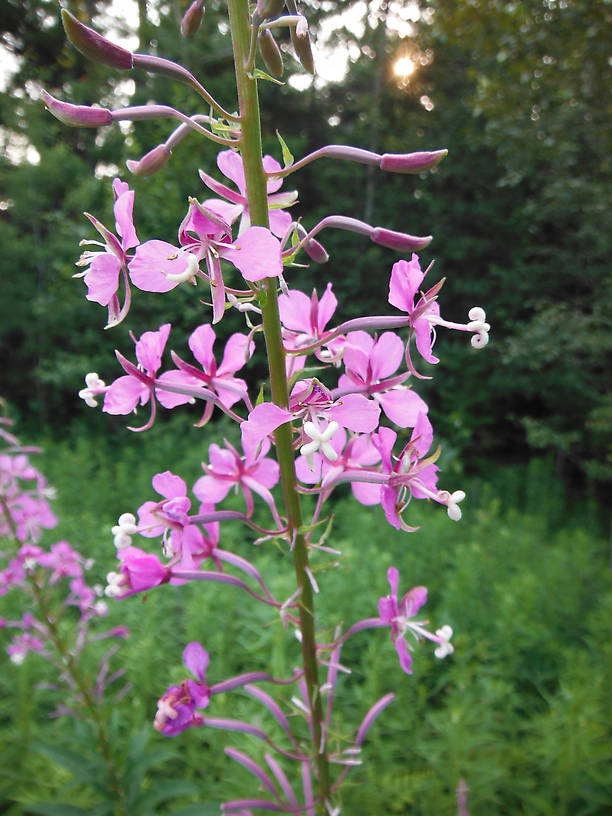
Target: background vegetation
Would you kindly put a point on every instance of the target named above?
(519, 211)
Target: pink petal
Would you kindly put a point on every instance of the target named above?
(169, 399)
(327, 306)
(294, 311)
(356, 356)
(228, 212)
(230, 164)
(196, 660)
(263, 419)
(422, 435)
(169, 485)
(424, 339)
(124, 223)
(406, 277)
(123, 396)
(356, 412)
(150, 347)
(102, 278)
(211, 490)
(201, 344)
(152, 262)
(366, 493)
(272, 166)
(280, 222)
(256, 253)
(237, 351)
(403, 406)
(386, 356)
(266, 473)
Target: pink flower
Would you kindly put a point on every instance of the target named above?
(219, 380)
(182, 541)
(204, 235)
(370, 365)
(304, 320)
(139, 572)
(22, 645)
(236, 204)
(176, 709)
(406, 279)
(412, 474)
(104, 267)
(313, 403)
(125, 393)
(228, 469)
(399, 614)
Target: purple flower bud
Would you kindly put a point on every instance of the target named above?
(316, 251)
(93, 45)
(303, 50)
(398, 240)
(411, 162)
(151, 162)
(270, 53)
(269, 9)
(193, 18)
(77, 115)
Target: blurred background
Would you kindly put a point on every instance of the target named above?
(520, 213)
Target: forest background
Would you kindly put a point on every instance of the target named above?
(520, 212)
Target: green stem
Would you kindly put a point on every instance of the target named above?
(251, 150)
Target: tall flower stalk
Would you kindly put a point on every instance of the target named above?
(324, 432)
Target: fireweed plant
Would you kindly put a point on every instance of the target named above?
(244, 247)
(64, 609)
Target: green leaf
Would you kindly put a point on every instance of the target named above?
(259, 74)
(168, 789)
(57, 809)
(287, 154)
(82, 768)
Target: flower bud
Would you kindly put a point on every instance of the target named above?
(93, 45)
(151, 162)
(269, 9)
(303, 50)
(77, 115)
(398, 240)
(411, 162)
(270, 53)
(193, 18)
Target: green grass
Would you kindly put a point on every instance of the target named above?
(520, 711)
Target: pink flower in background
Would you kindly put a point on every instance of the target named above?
(236, 204)
(176, 710)
(399, 614)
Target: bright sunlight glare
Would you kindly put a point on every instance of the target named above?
(404, 67)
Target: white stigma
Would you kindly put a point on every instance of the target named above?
(445, 648)
(479, 326)
(189, 273)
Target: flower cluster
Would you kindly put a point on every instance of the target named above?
(54, 581)
(244, 245)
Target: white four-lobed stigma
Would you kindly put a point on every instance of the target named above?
(479, 326)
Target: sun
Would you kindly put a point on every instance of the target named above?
(404, 67)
